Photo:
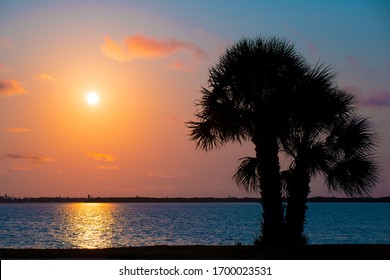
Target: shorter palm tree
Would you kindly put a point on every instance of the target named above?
(344, 157)
(325, 136)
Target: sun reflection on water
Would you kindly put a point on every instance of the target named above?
(89, 225)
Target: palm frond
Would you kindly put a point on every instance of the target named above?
(354, 177)
(352, 137)
(245, 90)
(202, 134)
(246, 174)
(219, 121)
(329, 137)
(323, 75)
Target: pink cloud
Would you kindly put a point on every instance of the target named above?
(381, 98)
(17, 130)
(11, 87)
(45, 77)
(142, 47)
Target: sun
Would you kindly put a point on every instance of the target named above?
(92, 98)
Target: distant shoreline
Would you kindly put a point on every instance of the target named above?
(5, 199)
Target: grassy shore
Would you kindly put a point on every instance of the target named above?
(310, 252)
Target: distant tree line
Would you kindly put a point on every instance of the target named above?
(136, 199)
(8, 199)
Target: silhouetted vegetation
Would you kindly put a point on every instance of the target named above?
(128, 199)
(263, 91)
(4, 199)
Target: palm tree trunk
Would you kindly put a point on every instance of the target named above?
(270, 188)
(298, 190)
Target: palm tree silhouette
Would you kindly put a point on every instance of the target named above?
(344, 157)
(249, 92)
(324, 135)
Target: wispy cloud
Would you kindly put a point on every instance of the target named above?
(355, 63)
(108, 167)
(45, 77)
(101, 157)
(30, 158)
(17, 130)
(380, 98)
(167, 174)
(10, 87)
(176, 119)
(28, 162)
(142, 47)
(181, 66)
(160, 174)
(310, 46)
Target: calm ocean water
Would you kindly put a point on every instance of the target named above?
(100, 225)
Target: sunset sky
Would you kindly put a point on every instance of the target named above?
(147, 61)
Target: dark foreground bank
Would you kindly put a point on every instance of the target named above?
(310, 252)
